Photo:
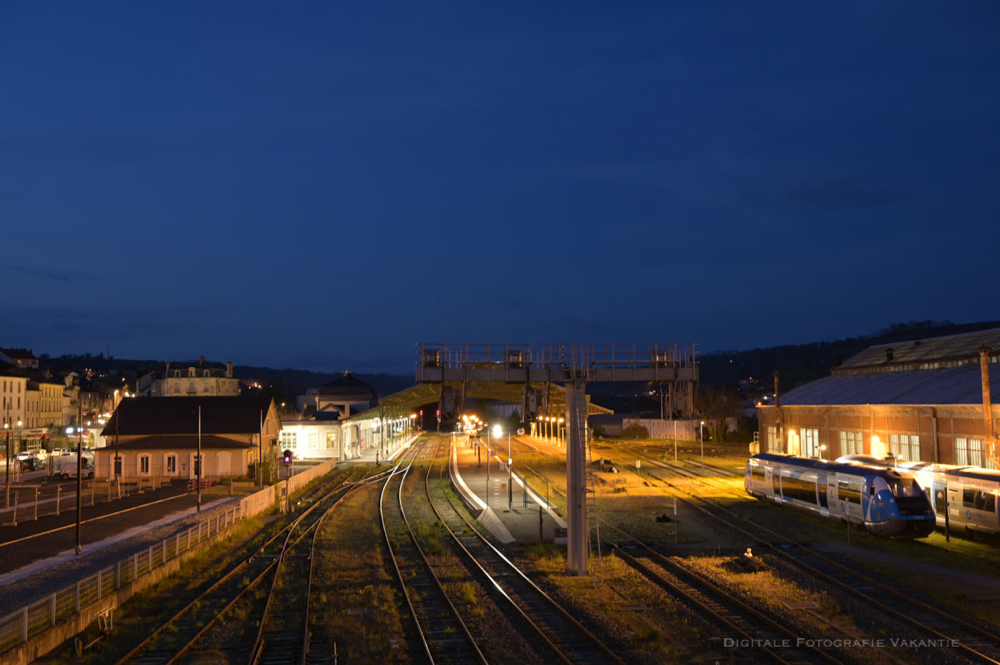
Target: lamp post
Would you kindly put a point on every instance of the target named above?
(498, 431)
(79, 491)
(7, 429)
(701, 429)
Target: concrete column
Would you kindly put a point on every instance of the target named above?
(577, 531)
(984, 365)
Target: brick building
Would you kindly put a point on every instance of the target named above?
(923, 400)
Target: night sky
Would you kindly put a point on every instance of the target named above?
(320, 185)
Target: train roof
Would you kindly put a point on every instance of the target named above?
(851, 468)
(976, 472)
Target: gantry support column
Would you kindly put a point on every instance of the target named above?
(577, 532)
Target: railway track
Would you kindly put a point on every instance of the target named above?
(283, 635)
(560, 635)
(442, 633)
(193, 624)
(941, 627)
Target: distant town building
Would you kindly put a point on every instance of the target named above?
(13, 401)
(923, 400)
(189, 379)
(343, 396)
(19, 358)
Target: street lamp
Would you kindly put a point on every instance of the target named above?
(7, 429)
(701, 429)
(498, 432)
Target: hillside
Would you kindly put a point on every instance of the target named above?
(797, 364)
(802, 363)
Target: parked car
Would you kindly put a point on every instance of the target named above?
(29, 461)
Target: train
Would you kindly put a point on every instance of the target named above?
(964, 498)
(884, 501)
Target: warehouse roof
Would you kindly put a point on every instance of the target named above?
(932, 353)
(961, 384)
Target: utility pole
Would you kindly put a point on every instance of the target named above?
(198, 458)
(79, 476)
(260, 452)
(8, 426)
(117, 464)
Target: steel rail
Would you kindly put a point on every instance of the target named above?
(399, 574)
(867, 598)
(215, 585)
(601, 646)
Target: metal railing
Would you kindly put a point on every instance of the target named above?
(36, 617)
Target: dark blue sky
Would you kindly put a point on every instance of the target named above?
(320, 186)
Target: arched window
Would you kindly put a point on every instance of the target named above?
(190, 371)
(205, 373)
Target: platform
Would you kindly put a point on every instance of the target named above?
(519, 515)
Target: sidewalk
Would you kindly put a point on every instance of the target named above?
(512, 514)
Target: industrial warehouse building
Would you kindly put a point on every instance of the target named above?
(923, 400)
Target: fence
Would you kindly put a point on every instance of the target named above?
(35, 618)
(300, 480)
(23, 503)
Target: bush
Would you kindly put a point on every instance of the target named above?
(635, 431)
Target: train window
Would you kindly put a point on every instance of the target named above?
(904, 487)
(979, 500)
(757, 474)
(797, 488)
(849, 491)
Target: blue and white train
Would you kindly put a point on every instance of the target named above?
(967, 494)
(884, 501)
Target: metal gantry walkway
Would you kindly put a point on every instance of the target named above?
(572, 365)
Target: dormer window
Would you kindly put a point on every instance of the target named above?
(190, 371)
(205, 373)
(177, 374)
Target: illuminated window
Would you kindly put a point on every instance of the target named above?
(851, 443)
(289, 439)
(810, 442)
(968, 452)
(773, 445)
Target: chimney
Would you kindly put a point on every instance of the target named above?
(888, 355)
(201, 360)
(777, 395)
(229, 369)
(984, 364)
(168, 368)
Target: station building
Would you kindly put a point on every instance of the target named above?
(158, 436)
(923, 400)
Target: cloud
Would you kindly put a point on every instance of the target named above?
(846, 192)
(52, 273)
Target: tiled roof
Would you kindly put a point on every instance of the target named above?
(179, 415)
(179, 441)
(20, 354)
